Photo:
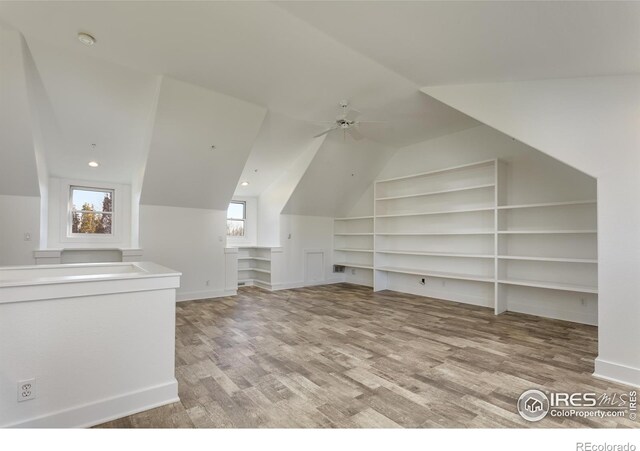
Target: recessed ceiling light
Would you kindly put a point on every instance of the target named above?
(86, 38)
(244, 184)
(94, 164)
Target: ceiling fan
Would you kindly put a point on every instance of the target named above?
(347, 122)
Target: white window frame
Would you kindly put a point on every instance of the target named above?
(243, 219)
(70, 210)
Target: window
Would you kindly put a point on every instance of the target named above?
(236, 216)
(90, 211)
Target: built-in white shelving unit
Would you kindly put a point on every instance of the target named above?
(255, 265)
(353, 245)
(456, 231)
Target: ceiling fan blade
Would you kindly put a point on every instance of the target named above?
(352, 115)
(355, 134)
(325, 132)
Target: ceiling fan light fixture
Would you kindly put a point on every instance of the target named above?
(86, 38)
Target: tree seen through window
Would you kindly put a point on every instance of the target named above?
(91, 211)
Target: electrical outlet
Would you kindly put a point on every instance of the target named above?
(444, 282)
(353, 272)
(423, 281)
(26, 390)
(207, 282)
(27, 236)
(582, 301)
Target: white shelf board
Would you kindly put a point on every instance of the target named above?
(547, 204)
(436, 254)
(354, 250)
(471, 232)
(354, 234)
(549, 259)
(265, 271)
(262, 259)
(444, 212)
(443, 275)
(255, 247)
(354, 265)
(550, 285)
(542, 232)
(439, 171)
(433, 193)
(354, 218)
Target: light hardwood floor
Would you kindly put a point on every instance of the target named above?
(343, 356)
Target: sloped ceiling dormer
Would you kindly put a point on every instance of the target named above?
(18, 170)
(86, 109)
(338, 176)
(200, 142)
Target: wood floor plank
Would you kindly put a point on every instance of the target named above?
(341, 356)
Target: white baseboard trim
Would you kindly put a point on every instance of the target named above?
(261, 284)
(460, 298)
(564, 315)
(291, 285)
(616, 372)
(98, 412)
(208, 294)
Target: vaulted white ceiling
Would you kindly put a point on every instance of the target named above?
(296, 60)
(18, 173)
(441, 42)
(183, 170)
(93, 102)
(254, 51)
(339, 174)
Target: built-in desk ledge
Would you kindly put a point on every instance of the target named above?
(13, 277)
(87, 254)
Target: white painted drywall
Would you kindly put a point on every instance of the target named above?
(98, 352)
(591, 124)
(337, 176)
(20, 215)
(188, 121)
(189, 240)
(305, 233)
(275, 197)
(18, 172)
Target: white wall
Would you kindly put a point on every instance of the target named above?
(95, 357)
(300, 233)
(591, 124)
(18, 171)
(20, 215)
(188, 240)
(272, 201)
(250, 237)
